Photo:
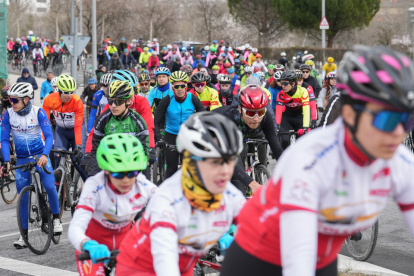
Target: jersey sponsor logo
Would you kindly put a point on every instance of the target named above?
(294, 104)
(221, 223)
(135, 197)
(341, 193)
(267, 213)
(220, 209)
(380, 192)
(300, 191)
(167, 214)
(112, 128)
(99, 188)
(321, 154)
(140, 241)
(192, 226)
(306, 97)
(382, 173)
(138, 207)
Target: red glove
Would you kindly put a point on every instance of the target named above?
(302, 131)
(283, 108)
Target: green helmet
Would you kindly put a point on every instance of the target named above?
(121, 152)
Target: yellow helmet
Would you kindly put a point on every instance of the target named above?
(179, 76)
(330, 59)
(309, 62)
(120, 89)
(66, 83)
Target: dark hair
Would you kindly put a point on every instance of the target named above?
(273, 83)
(200, 65)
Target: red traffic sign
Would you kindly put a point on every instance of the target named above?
(324, 25)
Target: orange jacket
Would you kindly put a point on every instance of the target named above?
(68, 115)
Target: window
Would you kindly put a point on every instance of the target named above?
(41, 10)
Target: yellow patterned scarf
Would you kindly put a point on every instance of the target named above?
(194, 189)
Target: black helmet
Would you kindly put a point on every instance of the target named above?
(305, 67)
(288, 75)
(198, 77)
(208, 79)
(144, 77)
(378, 74)
(209, 135)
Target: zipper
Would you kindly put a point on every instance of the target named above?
(25, 136)
(181, 115)
(61, 112)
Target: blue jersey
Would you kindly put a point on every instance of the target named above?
(156, 95)
(27, 133)
(99, 101)
(178, 113)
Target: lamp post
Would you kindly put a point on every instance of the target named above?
(412, 20)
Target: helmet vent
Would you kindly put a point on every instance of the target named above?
(135, 144)
(111, 146)
(124, 145)
(118, 160)
(104, 157)
(199, 146)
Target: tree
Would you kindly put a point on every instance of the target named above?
(210, 17)
(263, 15)
(342, 15)
(17, 11)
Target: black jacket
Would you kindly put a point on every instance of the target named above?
(135, 54)
(332, 111)
(88, 93)
(122, 46)
(115, 64)
(102, 59)
(312, 81)
(266, 126)
(176, 67)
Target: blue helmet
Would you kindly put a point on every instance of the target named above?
(237, 61)
(164, 48)
(163, 70)
(92, 81)
(214, 41)
(125, 75)
(230, 71)
(183, 49)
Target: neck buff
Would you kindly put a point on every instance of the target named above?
(164, 88)
(178, 99)
(193, 187)
(226, 93)
(25, 110)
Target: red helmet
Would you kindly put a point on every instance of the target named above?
(253, 97)
(4, 91)
(227, 65)
(221, 41)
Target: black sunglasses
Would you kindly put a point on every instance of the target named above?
(117, 102)
(179, 86)
(15, 100)
(285, 83)
(121, 175)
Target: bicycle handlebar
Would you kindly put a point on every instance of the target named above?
(86, 256)
(62, 151)
(26, 166)
(286, 132)
(259, 141)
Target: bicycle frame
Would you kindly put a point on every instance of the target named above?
(63, 168)
(33, 174)
(255, 160)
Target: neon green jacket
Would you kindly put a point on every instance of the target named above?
(143, 58)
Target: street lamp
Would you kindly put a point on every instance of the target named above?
(412, 20)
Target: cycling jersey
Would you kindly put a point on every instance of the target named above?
(209, 98)
(67, 115)
(295, 104)
(172, 235)
(142, 94)
(328, 68)
(235, 84)
(156, 95)
(104, 214)
(175, 113)
(98, 102)
(301, 218)
(27, 133)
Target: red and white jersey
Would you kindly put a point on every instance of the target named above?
(323, 190)
(103, 212)
(172, 235)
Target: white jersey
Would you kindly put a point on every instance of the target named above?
(103, 210)
(322, 191)
(175, 233)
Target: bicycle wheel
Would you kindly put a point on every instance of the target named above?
(83, 64)
(77, 191)
(39, 69)
(39, 225)
(212, 268)
(261, 174)
(64, 62)
(14, 65)
(62, 199)
(363, 248)
(8, 187)
(162, 167)
(55, 238)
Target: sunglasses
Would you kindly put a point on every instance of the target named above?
(305, 72)
(387, 120)
(253, 113)
(117, 102)
(14, 100)
(198, 85)
(121, 175)
(66, 92)
(104, 85)
(144, 83)
(285, 83)
(179, 86)
(248, 73)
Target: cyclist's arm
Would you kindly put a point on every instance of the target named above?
(279, 106)
(159, 116)
(43, 90)
(268, 127)
(5, 136)
(78, 122)
(236, 87)
(151, 96)
(141, 132)
(321, 97)
(331, 112)
(198, 105)
(88, 201)
(305, 107)
(312, 103)
(46, 107)
(47, 131)
(146, 114)
(95, 103)
(214, 99)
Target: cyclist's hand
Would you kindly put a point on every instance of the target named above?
(277, 128)
(320, 109)
(42, 161)
(78, 154)
(301, 132)
(313, 124)
(96, 251)
(161, 144)
(7, 168)
(254, 186)
(152, 155)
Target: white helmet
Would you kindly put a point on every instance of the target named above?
(148, 41)
(277, 75)
(21, 90)
(248, 69)
(254, 50)
(219, 76)
(155, 40)
(53, 82)
(294, 58)
(224, 79)
(169, 46)
(134, 41)
(203, 70)
(186, 54)
(261, 74)
(106, 79)
(247, 45)
(242, 48)
(28, 37)
(11, 38)
(154, 53)
(18, 40)
(207, 48)
(283, 54)
(30, 32)
(149, 45)
(306, 52)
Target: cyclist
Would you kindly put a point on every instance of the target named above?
(88, 93)
(295, 100)
(175, 110)
(99, 224)
(197, 61)
(17, 50)
(211, 58)
(283, 60)
(262, 78)
(128, 60)
(248, 71)
(162, 89)
(144, 57)
(367, 163)
(115, 63)
(111, 49)
(312, 81)
(102, 57)
(27, 123)
(47, 53)
(252, 56)
(153, 61)
(153, 80)
(270, 71)
(238, 67)
(99, 100)
(144, 85)
(312, 99)
(314, 72)
(275, 87)
(5, 103)
(328, 90)
(207, 95)
(37, 55)
(119, 119)
(235, 82)
(46, 87)
(198, 198)
(255, 121)
(225, 92)
(67, 109)
(328, 67)
(258, 64)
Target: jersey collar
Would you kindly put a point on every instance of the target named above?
(354, 152)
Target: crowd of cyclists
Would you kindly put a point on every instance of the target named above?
(202, 108)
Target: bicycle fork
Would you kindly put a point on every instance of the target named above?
(38, 197)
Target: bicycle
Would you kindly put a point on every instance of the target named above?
(255, 169)
(209, 264)
(362, 244)
(40, 219)
(69, 188)
(409, 142)
(110, 267)
(64, 61)
(9, 57)
(46, 64)
(160, 166)
(8, 183)
(292, 136)
(82, 62)
(38, 72)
